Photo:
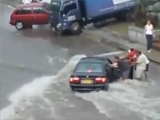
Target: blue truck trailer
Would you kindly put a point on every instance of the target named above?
(73, 15)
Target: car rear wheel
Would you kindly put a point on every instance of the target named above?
(72, 89)
(19, 25)
(106, 87)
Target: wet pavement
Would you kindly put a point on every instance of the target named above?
(35, 65)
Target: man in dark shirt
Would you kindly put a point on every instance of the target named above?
(123, 66)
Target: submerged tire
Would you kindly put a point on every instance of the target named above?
(106, 87)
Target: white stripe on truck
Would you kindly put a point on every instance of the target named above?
(115, 2)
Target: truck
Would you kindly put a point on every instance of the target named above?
(74, 15)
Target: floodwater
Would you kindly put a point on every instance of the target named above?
(34, 69)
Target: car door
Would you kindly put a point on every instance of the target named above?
(25, 15)
(115, 73)
(41, 16)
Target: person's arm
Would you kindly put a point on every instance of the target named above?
(144, 29)
(126, 55)
(114, 65)
(153, 30)
(139, 60)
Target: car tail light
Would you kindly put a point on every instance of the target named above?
(74, 79)
(100, 79)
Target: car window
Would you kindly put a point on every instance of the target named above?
(26, 10)
(46, 6)
(55, 6)
(38, 10)
(89, 67)
(68, 7)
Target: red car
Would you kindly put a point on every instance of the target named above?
(26, 15)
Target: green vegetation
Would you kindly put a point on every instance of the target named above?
(140, 13)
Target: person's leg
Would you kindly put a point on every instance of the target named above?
(148, 44)
(125, 75)
(147, 67)
(131, 72)
(139, 73)
(145, 72)
(151, 41)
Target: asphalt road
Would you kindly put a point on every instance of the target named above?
(35, 65)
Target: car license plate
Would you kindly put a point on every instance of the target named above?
(86, 81)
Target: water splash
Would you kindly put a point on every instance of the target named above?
(128, 96)
(22, 97)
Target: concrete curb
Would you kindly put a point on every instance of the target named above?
(156, 44)
(123, 47)
(126, 37)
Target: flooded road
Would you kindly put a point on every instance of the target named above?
(34, 70)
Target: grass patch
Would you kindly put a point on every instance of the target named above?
(118, 27)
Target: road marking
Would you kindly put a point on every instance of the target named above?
(110, 53)
(9, 6)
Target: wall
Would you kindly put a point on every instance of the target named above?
(136, 34)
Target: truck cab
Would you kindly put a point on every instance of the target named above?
(65, 15)
(73, 15)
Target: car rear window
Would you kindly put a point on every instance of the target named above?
(89, 67)
(38, 10)
(46, 6)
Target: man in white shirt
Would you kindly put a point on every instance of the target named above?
(141, 63)
(147, 66)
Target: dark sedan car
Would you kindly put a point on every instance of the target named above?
(93, 73)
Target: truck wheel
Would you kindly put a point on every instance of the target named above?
(97, 24)
(75, 28)
(72, 89)
(19, 25)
